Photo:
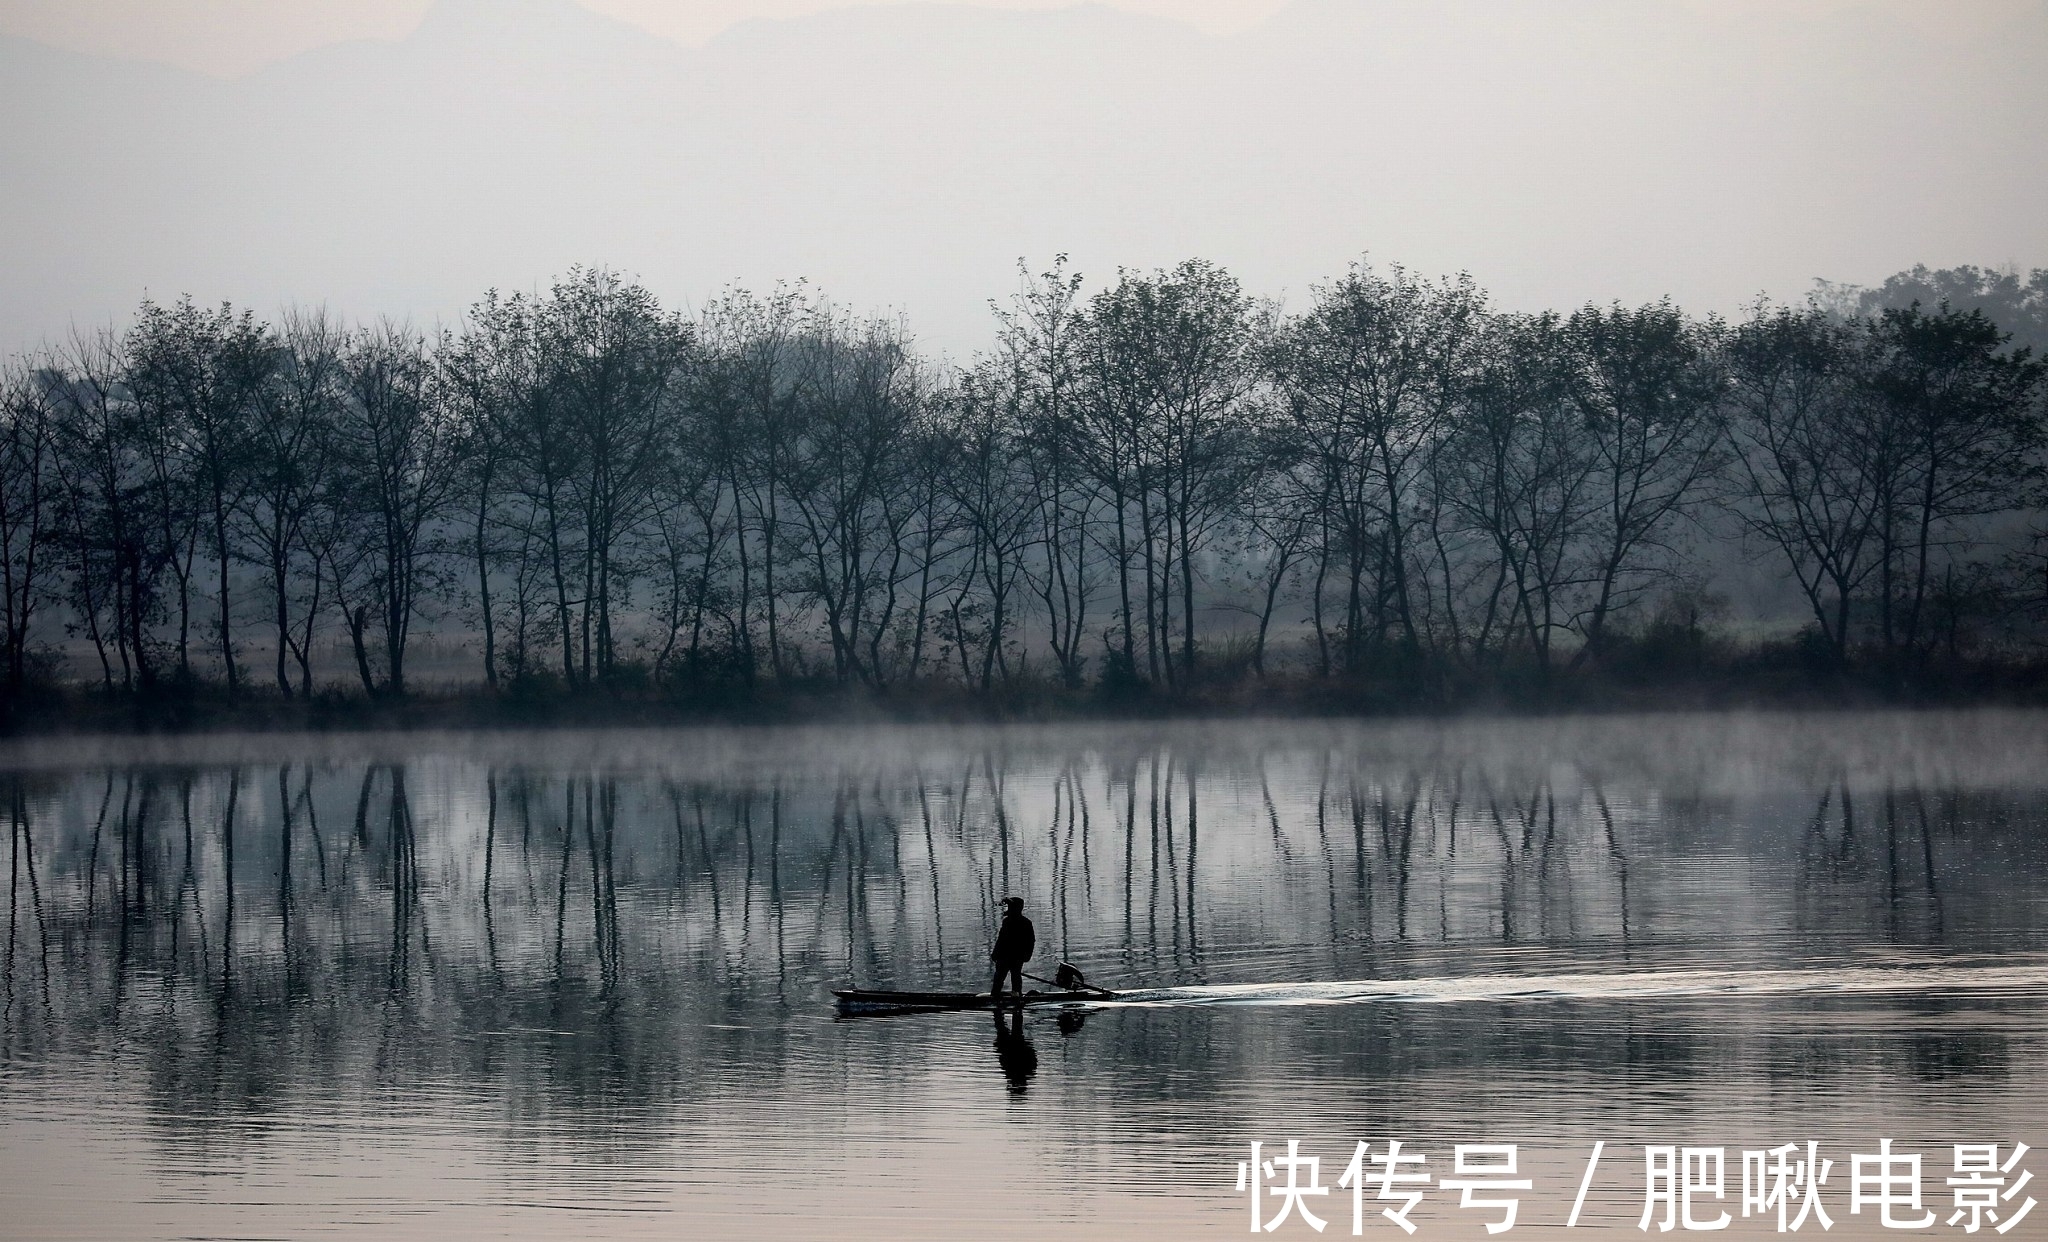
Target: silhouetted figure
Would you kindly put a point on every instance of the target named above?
(1014, 1052)
(1015, 941)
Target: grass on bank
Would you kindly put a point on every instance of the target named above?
(1663, 667)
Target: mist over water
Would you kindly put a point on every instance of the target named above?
(531, 984)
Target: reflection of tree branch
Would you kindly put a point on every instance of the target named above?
(1927, 859)
(1614, 851)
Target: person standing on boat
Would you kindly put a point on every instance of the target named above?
(1015, 942)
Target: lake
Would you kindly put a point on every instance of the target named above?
(577, 984)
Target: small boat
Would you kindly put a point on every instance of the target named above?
(870, 1000)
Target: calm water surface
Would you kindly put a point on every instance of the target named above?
(576, 984)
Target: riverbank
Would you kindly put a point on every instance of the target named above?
(1756, 681)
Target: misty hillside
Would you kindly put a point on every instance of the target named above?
(906, 156)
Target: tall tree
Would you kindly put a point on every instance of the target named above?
(1650, 391)
(750, 381)
(291, 448)
(1964, 416)
(1166, 428)
(395, 446)
(992, 487)
(1368, 377)
(113, 556)
(1038, 347)
(1519, 469)
(614, 381)
(28, 511)
(199, 374)
(845, 454)
(483, 372)
(1807, 456)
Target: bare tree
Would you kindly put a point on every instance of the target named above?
(614, 363)
(844, 453)
(1165, 428)
(291, 448)
(1038, 347)
(1650, 391)
(395, 443)
(1368, 378)
(200, 373)
(112, 562)
(1803, 446)
(1520, 470)
(991, 485)
(28, 511)
(484, 373)
(1963, 416)
(749, 381)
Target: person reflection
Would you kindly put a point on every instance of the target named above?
(1071, 1020)
(1014, 1053)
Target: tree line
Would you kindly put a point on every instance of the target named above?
(1156, 484)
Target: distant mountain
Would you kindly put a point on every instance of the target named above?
(906, 156)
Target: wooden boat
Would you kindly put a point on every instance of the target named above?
(871, 1000)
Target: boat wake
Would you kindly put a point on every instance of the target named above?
(2001, 981)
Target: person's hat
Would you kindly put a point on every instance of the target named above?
(1014, 903)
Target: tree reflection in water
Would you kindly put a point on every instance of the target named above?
(625, 934)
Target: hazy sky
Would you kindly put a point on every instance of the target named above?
(234, 36)
(903, 157)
